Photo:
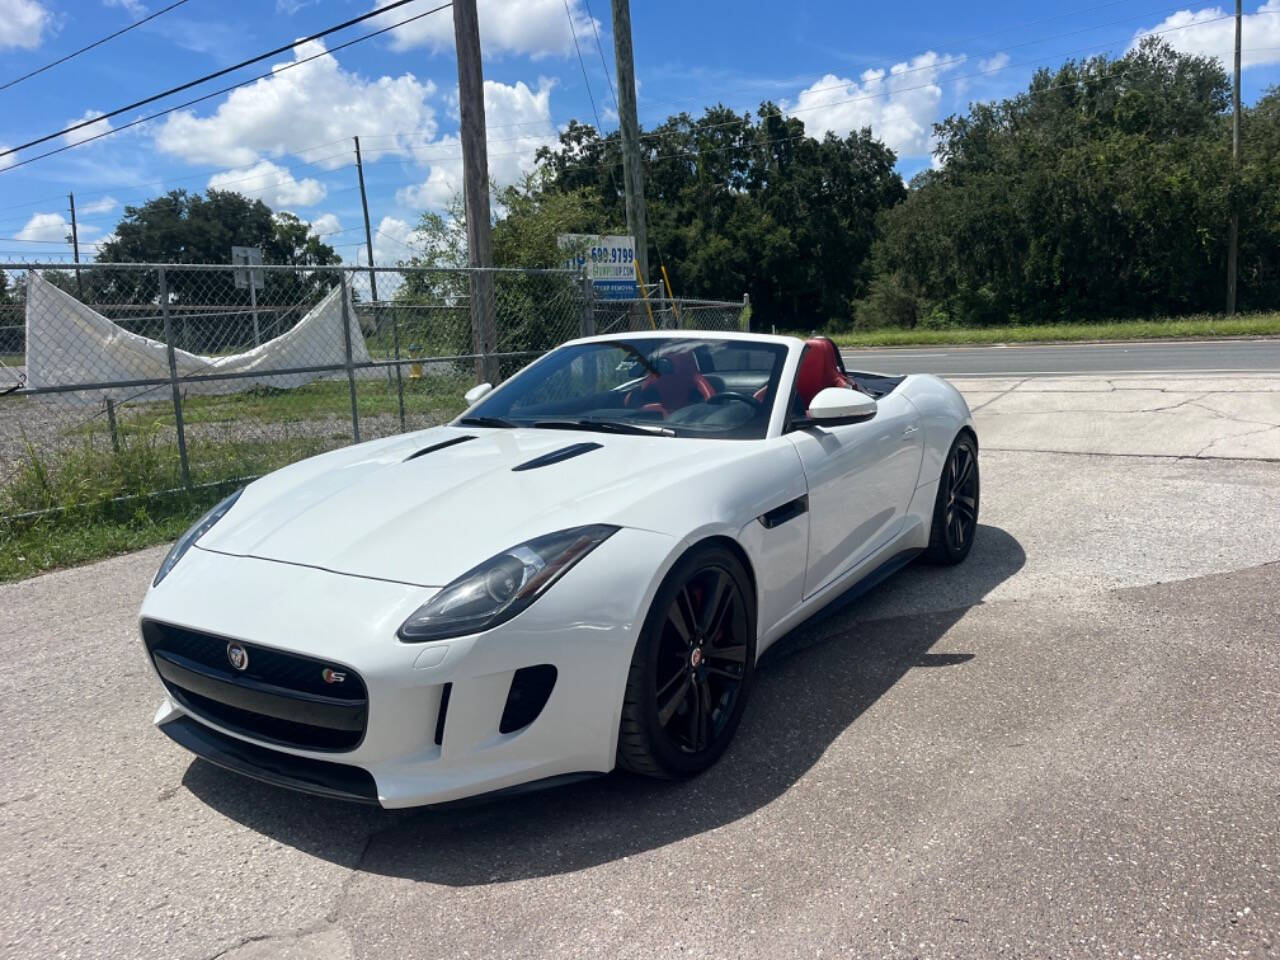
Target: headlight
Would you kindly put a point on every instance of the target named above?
(502, 586)
(198, 530)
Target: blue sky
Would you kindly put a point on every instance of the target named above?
(287, 139)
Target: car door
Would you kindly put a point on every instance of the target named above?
(861, 477)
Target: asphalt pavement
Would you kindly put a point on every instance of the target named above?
(1068, 746)
(1024, 360)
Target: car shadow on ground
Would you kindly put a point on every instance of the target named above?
(812, 685)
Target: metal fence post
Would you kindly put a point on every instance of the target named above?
(395, 340)
(111, 425)
(587, 322)
(173, 380)
(351, 371)
(744, 318)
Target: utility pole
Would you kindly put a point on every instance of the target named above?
(632, 172)
(368, 234)
(1234, 240)
(373, 288)
(75, 244)
(475, 190)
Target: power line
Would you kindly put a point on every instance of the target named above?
(574, 33)
(96, 43)
(600, 50)
(223, 72)
(215, 93)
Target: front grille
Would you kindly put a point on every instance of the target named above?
(279, 697)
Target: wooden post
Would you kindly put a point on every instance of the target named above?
(351, 373)
(173, 382)
(1234, 239)
(475, 193)
(75, 245)
(632, 171)
(373, 286)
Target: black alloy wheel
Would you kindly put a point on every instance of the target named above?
(692, 668)
(955, 511)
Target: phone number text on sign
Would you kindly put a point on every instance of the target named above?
(604, 257)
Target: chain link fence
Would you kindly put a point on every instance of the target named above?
(123, 382)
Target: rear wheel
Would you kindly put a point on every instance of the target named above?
(955, 510)
(692, 668)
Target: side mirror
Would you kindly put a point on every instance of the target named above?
(837, 405)
(476, 392)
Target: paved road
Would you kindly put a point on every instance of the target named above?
(1066, 747)
(1074, 358)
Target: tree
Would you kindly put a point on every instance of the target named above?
(187, 228)
(743, 204)
(535, 310)
(1100, 191)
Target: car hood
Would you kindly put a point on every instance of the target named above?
(379, 510)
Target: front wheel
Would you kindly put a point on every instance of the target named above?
(955, 510)
(692, 668)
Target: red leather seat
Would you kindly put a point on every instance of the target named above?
(678, 387)
(819, 369)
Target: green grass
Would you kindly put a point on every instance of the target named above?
(86, 535)
(438, 396)
(91, 501)
(1250, 325)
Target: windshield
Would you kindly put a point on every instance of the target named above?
(673, 386)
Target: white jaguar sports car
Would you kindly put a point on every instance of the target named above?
(578, 573)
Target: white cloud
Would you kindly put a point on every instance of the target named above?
(991, 64)
(43, 227)
(22, 24)
(9, 159)
(519, 119)
(395, 240)
(1211, 33)
(325, 224)
(900, 105)
(274, 185)
(532, 28)
(103, 205)
(292, 110)
(131, 7)
(84, 133)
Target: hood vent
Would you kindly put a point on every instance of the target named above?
(555, 456)
(437, 446)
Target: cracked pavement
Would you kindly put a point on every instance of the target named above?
(1068, 746)
(1163, 415)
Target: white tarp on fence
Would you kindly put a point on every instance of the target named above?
(69, 343)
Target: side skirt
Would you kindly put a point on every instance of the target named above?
(842, 593)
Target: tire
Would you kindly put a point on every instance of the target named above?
(955, 509)
(684, 698)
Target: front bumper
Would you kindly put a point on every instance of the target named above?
(440, 721)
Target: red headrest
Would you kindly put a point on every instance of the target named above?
(819, 369)
(678, 386)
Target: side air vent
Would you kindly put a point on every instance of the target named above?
(442, 712)
(555, 456)
(437, 446)
(530, 690)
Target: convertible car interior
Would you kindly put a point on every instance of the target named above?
(714, 387)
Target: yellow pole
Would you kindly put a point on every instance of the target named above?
(645, 293)
(670, 293)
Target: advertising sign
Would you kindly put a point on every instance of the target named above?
(610, 262)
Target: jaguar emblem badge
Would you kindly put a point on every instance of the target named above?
(238, 656)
